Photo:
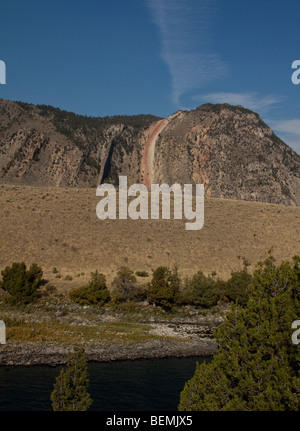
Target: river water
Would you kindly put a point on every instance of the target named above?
(142, 385)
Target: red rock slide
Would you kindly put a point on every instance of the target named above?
(148, 155)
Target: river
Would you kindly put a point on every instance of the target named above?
(141, 385)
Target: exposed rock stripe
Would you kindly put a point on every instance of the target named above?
(148, 155)
(152, 134)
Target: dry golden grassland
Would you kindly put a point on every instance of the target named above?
(58, 227)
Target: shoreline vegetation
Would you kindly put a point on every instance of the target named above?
(130, 319)
(45, 332)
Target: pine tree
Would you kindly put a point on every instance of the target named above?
(95, 292)
(21, 284)
(124, 285)
(164, 287)
(257, 367)
(201, 291)
(70, 390)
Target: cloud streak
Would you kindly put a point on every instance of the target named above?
(288, 126)
(289, 131)
(186, 35)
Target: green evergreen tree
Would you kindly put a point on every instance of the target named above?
(257, 367)
(164, 287)
(124, 285)
(95, 292)
(70, 390)
(201, 291)
(22, 284)
(237, 287)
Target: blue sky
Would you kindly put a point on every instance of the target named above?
(154, 56)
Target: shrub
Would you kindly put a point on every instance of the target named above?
(21, 284)
(95, 292)
(49, 290)
(124, 285)
(142, 274)
(201, 291)
(164, 287)
(236, 289)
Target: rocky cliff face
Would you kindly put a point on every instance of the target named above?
(228, 148)
(42, 145)
(232, 151)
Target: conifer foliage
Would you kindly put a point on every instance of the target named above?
(20, 283)
(257, 367)
(70, 391)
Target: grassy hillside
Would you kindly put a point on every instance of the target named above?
(59, 228)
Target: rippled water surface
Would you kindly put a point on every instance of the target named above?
(123, 385)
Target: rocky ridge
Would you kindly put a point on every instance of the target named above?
(228, 148)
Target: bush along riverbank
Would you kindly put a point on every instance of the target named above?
(164, 317)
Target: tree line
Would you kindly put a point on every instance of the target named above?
(166, 288)
(256, 367)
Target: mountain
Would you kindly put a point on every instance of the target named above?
(228, 148)
(232, 151)
(42, 145)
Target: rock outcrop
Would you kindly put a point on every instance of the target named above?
(228, 148)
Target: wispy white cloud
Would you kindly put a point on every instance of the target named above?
(288, 130)
(186, 36)
(252, 101)
(288, 126)
(292, 142)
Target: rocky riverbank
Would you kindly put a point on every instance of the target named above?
(45, 353)
(191, 340)
(44, 334)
